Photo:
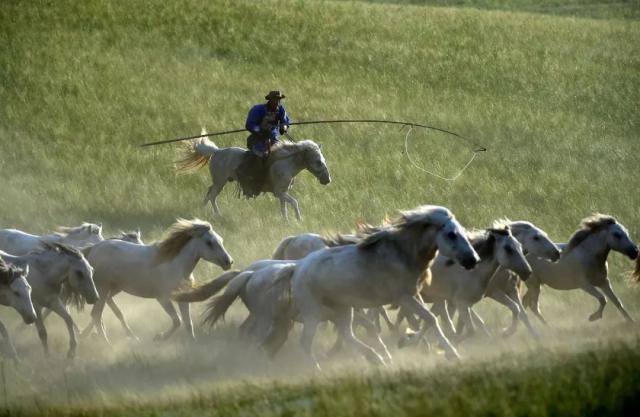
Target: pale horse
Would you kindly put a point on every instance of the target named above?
(49, 269)
(15, 292)
(387, 266)
(583, 264)
(287, 159)
(17, 242)
(452, 284)
(156, 270)
(503, 286)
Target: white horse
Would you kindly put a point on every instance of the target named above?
(18, 243)
(49, 269)
(387, 267)
(451, 283)
(155, 270)
(299, 246)
(583, 264)
(15, 292)
(287, 159)
(503, 287)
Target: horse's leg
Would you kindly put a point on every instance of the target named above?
(608, 291)
(116, 310)
(42, 331)
(96, 315)
(595, 292)
(310, 325)
(532, 300)
(464, 312)
(518, 314)
(283, 207)
(60, 309)
(212, 196)
(11, 349)
(373, 331)
(185, 312)
(416, 307)
(441, 310)
(478, 322)
(343, 320)
(286, 198)
(167, 305)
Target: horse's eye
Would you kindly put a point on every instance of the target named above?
(16, 293)
(209, 243)
(451, 235)
(509, 250)
(536, 238)
(617, 235)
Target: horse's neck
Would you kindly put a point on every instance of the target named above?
(53, 237)
(52, 267)
(185, 261)
(292, 164)
(595, 247)
(486, 269)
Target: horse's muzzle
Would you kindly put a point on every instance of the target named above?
(555, 255)
(92, 299)
(29, 318)
(227, 265)
(633, 253)
(325, 180)
(525, 274)
(469, 262)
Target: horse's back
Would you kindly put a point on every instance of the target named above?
(17, 242)
(224, 163)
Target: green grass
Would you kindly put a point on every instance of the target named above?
(553, 96)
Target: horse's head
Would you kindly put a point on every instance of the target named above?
(132, 237)
(618, 240)
(508, 252)
(81, 276)
(451, 239)
(315, 163)
(534, 240)
(83, 235)
(15, 291)
(210, 248)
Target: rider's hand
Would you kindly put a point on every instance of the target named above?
(284, 129)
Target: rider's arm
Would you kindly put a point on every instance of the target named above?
(254, 118)
(283, 118)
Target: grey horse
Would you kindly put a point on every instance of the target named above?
(287, 159)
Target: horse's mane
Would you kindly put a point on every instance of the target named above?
(128, 236)
(483, 241)
(60, 248)
(515, 226)
(9, 272)
(180, 233)
(285, 148)
(91, 228)
(636, 272)
(332, 240)
(393, 229)
(591, 224)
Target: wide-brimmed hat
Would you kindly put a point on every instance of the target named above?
(274, 94)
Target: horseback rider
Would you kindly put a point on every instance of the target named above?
(265, 122)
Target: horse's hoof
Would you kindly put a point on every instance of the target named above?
(595, 317)
(508, 332)
(452, 355)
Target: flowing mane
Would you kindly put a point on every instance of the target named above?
(61, 248)
(483, 241)
(9, 272)
(591, 224)
(284, 149)
(180, 233)
(395, 229)
(515, 226)
(333, 240)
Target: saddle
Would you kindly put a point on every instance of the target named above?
(252, 173)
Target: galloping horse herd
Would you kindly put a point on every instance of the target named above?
(422, 256)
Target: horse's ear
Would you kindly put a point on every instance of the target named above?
(320, 145)
(138, 232)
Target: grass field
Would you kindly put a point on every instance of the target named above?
(552, 89)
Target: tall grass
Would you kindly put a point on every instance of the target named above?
(553, 98)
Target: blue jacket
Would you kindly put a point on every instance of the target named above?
(257, 115)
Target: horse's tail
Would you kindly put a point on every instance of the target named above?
(206, 290)
(282, 247)
(219, 305)
(195, 154)
(636, 272)
(69, 296)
